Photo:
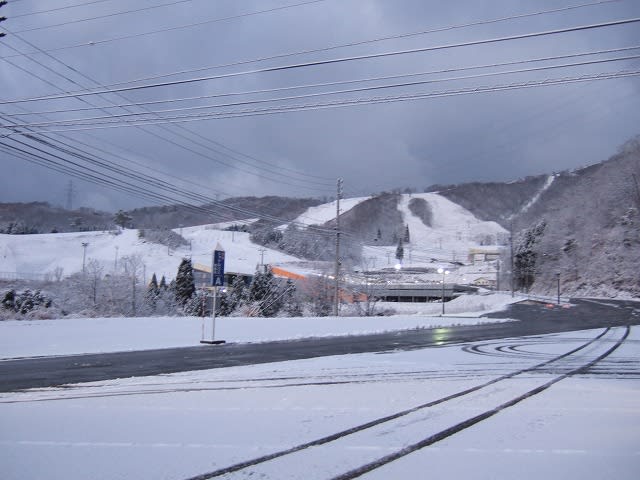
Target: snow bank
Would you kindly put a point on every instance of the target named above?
(28, 338)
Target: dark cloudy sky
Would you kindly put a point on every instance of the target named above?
(183, 149)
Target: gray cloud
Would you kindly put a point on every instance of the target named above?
(489, 136)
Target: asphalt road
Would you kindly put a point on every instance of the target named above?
(533, 319)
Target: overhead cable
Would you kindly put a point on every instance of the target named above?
(158, 113)
(352, 102)
(335, 83)
(332, 61)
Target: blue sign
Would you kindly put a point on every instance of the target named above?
(217, 269)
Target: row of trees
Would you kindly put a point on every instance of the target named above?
(265, 296)
(97, 292)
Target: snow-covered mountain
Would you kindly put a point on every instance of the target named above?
(446, 236)
(49, 255)
(591, 234)
(587, 224)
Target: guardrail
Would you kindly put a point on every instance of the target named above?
(42, 277)
(533, 296)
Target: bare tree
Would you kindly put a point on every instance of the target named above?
(133, 266)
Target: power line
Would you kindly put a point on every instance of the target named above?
(132, 181)
(353, 102)
(309, 184)
(333, 61)
(358, 43)
(342, 82)
(97, 119)
(107, 15)
(169, 29)
(366, 42)
(56, 9)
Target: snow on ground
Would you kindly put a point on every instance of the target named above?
(453, 228)
(42, 254)
(327, 211)
(29, 338)
(454, 231)
(537, 196)
(181, 425)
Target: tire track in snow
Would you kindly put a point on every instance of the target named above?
(357, 472)
(238, 467)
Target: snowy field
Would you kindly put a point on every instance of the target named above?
(341, 413)
(29, 338)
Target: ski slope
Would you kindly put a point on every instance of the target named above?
(36, 256)
(453, 232)
(327, 211)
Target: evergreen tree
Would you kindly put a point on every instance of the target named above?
(290, 303)
(525, 256)
(400, 250)
(264, 293)
(9, 300)
(407, 237)
(122, 219)
(258, 287)
(197, 304)
(153, 292)
(379, 235)
(163, 283)
(153, 284)
(185, 285)
(235, 296)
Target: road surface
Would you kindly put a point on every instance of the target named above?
(533, 319)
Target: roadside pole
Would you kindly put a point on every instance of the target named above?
(213, 314)
(217, 280)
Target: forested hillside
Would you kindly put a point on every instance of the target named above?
(592, 232)
(582, 224)
(41, 217)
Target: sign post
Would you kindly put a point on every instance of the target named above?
(217, 280)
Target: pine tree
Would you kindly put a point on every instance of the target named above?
(153, 292)
(185, 285)
(258, 288)
(122, 219)
(400, 250)
(525, 257)
(264, 293)
(235, 296)
(290, 303)
(407, 237)
(163, 283)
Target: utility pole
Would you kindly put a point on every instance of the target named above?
(337, 272)
(262, 250)
(70, 194)
(84, 254)
(511, 248)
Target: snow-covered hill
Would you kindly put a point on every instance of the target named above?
(34, 256)
(446, 236)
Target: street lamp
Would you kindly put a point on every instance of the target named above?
(443, 272)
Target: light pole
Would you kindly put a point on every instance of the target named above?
(443, 272)
(84, 254)
(558, 283)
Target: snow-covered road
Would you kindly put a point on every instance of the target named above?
(182, 425)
